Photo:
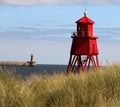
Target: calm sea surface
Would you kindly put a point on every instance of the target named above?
(39, 69)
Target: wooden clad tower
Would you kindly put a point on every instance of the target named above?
(84, 50)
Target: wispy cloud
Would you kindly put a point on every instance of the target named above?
(54, 32)
(108, 34)
(103, 1)
(39, 2)
(37, 32)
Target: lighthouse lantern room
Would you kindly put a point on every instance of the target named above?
(84, 50)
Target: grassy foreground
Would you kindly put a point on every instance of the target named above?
(94, 89)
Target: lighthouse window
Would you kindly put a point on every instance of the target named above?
(83, 33)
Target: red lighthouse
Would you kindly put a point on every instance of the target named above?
(84, 50)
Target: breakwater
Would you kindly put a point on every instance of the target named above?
(16, 63)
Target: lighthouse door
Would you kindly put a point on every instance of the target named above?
(92, 49)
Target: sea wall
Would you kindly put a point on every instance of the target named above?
(12, 63)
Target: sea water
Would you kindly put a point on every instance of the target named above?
(40, 69)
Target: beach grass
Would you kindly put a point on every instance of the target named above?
(100, 88)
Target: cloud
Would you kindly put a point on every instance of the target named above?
(40, 2)
(102, 1)
(108, 34)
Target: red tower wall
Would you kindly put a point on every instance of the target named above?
(93, 49)
(84, 46)
(80, 46)
(90, 30)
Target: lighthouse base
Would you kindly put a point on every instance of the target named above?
(82, 63)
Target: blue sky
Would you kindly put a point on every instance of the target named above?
(44, 29)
